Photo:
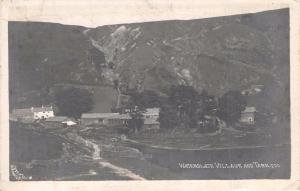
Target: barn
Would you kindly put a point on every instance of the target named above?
(248, 116)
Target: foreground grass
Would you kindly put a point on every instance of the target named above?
(227, 138)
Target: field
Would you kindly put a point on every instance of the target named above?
(71, 154)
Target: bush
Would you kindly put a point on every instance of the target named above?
(73, 102)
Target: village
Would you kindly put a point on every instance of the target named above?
(47, 116)
(104, 140)
(155, 125)
(97, 137)
(150, 126)
(151, 117)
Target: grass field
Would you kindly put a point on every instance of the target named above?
(104, 98)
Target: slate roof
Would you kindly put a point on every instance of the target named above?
(22, 112)
(152, 111)
(149, 112)
(98, 115)
(41, 109)
(120, 116)
(57, 119)
(249, 110)
(31, 110)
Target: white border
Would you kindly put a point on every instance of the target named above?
(94, 13)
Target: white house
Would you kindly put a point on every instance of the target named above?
(248, 116)
(31, 114)
(42, 112)
(151, 118)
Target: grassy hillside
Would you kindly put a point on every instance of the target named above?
(216, 54)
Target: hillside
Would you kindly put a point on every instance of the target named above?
(216, 54)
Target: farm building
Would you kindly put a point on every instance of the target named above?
(115, 119)
(60, 121)
(32, 114)
(248, 116)
(151, 118)
(109, 119)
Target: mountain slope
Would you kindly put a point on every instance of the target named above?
(216, 54)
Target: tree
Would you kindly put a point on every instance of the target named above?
(186, 107)
(73, 102)
(168, 117)
(137, 121)
(205, 105)
(146, 99)
(137, 103)
(209, 103)
(184, 99)
(231, 104)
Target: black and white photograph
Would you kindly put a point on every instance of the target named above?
(196, 99)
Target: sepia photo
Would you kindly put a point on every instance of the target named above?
(194, 99)
(155, 95)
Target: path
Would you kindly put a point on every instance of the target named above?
(116, 169)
